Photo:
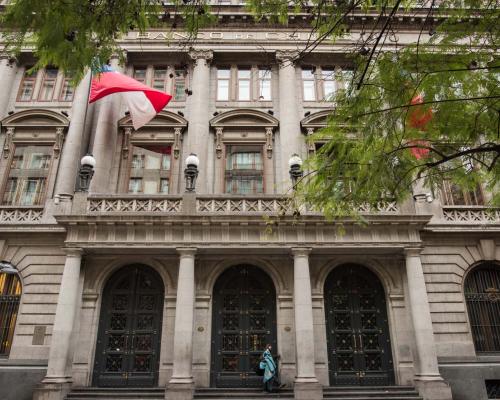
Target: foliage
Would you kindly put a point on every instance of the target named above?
(371, 142)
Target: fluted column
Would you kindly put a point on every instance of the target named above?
(291, 140)
(105, 139)
(61, 354)
(72, 149)
(306, 383)
(181, 384)
(8, 69)
(427, 376)
(198, 131)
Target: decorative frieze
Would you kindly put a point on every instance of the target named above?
(11, 215)
(471, 215)
(105, 205)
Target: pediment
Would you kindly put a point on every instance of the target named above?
(244, 119)
(316, 120)
(163, 119)
(36, 118)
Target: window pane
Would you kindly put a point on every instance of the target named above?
(67, 91)
(244, 170)
(243, 90)
(223, 90)
(27, 90)
(164, 186)
(48, 85)
(27, 176)
(309, 92)
(140, 74)
(223, 73)
(264, 84)
(179, 87)
(307, 74)
(328, 89)
(159, 78)
(150, 169)
(244, 74)
(135, 185)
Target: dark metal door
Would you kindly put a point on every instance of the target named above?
(128, 344)
(359, 349)
(244, 321)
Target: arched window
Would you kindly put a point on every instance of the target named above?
(10, 295)
(482, 294)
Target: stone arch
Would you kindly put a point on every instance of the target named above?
(387, 280)
(35, 118)
(316, 120)
(267, 267)
(163, 119)
(244, 118)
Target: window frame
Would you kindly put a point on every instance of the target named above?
(26, 77)
(228, 80)
(66, 80)
(45, 79)
(261, 172)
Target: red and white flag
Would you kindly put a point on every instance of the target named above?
(418, 118)
(143, 102)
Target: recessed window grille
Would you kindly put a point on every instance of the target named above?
(10, 295)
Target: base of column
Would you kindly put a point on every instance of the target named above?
(179, 391)
(51, 391)
(308, 390)
(433, 388)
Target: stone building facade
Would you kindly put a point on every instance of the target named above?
(139, 283)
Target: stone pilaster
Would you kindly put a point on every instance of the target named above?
(8, 69)
(57, 382)
(181, 385)
(105, 139)
(291, 139)
(306, 384)
(427, 377)
(199, 117)
(72, 150)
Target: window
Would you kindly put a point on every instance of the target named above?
(346, 76)
(27, 86)
(452, 195)
(244, 80)
(27, 176)
(244, 169)
(140, 74)
(48, 84)
(308, 84)
(179, 85)
(160, 79)
(150, 169)
(223, 78)
(482, 294)
(328, 80)
(67, 90)
(264, 84)
(10, 295)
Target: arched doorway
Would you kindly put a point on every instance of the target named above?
(10, 296)
(359, 348)
(244, 321)
(482, 294)
(128, 341)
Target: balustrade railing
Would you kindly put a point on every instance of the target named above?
(20, 214)
(127, 203)
(471, 214)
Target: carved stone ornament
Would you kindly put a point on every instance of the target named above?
(9, 134)
(206, 55)
(287, 56)
(218, 141)
(127, 133)
(269, 142)
(177, 142)
(493, 294)
(59, 142)
(310, 144)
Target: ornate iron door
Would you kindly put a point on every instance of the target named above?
(359, 349)
(128, 344)
(244, 321)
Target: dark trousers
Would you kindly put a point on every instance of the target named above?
(268, 386)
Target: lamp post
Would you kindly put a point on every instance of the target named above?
(295, 164)
(86, 172)
(7, 268)
(191, 172)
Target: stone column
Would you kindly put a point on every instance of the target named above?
(291, 140)
(72, 149)
(427, 377)
(8, 69)
(306, 384)
(57, 382)
(181, 385)
(199, 117)
(105, 139)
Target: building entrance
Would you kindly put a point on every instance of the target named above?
(128, 344)
(244, 321)
(359, 348)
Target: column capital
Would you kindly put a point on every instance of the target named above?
(201, 54)
(73, 251)
(301, 251)
(287, 56)
(413, 251)
(186, 251)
